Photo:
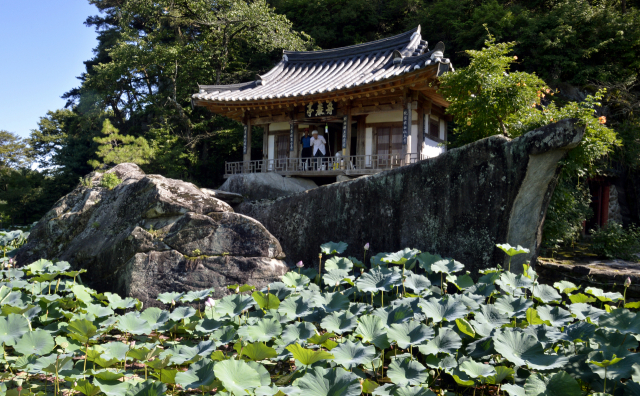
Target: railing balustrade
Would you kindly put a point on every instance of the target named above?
(354, 164)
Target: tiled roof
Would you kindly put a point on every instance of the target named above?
(316, 72)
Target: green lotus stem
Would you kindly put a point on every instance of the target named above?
(441, 283)
(86, 355)
(365, 258)
(510, 263)
(382, 365)
(382, 299)
(605, 380)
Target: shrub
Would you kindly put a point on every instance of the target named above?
(613, 241)
(110, 181)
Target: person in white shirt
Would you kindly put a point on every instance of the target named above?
(319, 149)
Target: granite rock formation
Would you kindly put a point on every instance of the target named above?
(459, 204)
(151, 234)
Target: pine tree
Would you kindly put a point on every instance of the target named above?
(116, 149)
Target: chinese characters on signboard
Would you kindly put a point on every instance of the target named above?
(291, 137)
(345, 121)
(320, 109)
(405, 126)
(245, 139)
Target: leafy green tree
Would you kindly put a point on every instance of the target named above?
(116, 149)
(488, 99)
(14, 152)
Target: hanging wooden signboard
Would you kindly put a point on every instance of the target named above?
(291, 137)
(245, 139)
(345, 121)
(320, 109)
(405, 126)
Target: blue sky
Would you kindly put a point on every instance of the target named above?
(42, 46)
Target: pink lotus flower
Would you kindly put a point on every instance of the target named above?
(627, 282)
(209, 302)
(299, 264)
(366, 246)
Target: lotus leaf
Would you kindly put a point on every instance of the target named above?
(12, 327)
(146, 388)
(513, 390)
(546, 293)
(155, 317)
(409, 333)
(583, 311)
(426, 260)
(524, 349)
(199, 376)
(197, 295)
(413, 391)
(234, 305)
(417, 283)
(293, 279)
(400, 257)
(378, 279)
(477, 370)
(407, 372)
(566, 287)
(278, 289)
(328, 382)
(337, 277)
(169, 297)
(555, 315)
(333, 247)
(298, 331)
(338, 263)
(339, 322)
(224, 335)
(350, 354)
(132, 323)
(579, 331)
(181, 313)
(443, 309)
(481, 349)
(602, 295)
(395, 314)
(514, 307)
(581, 298)
(622, 320)
(556, 384)
(258, 351)
(447, 266)
(465, 327)
(37, 342)
(447, 341)
(237, 376)
(114, 387)
(294, 307)
(262, 331)
(81, 330)
(546, 335)
(308, 357)
(331, 302)
(372, 329)
(512, 251)
(502, 373)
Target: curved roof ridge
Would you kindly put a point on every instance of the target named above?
(400, 42)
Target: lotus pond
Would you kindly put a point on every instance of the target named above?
(407, 324)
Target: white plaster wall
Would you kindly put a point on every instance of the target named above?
(431, 148)
(385, 116)
(413, 144)
(279, 126)
(368, 144)
(272, 147)
(443, 128)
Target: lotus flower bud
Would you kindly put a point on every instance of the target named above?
(299, 264)
(320, 255)
(238, 289)
(366, 246)
(337, 283)
(209, 302)
(132, 344)
(173, 302)
(627, 282)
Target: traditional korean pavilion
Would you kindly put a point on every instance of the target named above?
(376, 104)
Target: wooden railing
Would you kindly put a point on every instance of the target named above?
(354, 164)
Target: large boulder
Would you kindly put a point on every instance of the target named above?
(267, 185)
(151, 234)
(459, 204)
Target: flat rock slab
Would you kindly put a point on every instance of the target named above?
(608, 275)
(267, 185)
(459, 204)
(150, 235)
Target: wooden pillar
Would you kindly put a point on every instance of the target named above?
(246, 143)
(426, 114)
(294, 132)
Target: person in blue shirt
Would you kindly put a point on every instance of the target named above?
(307, 150)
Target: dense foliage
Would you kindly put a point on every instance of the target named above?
(412, 324)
